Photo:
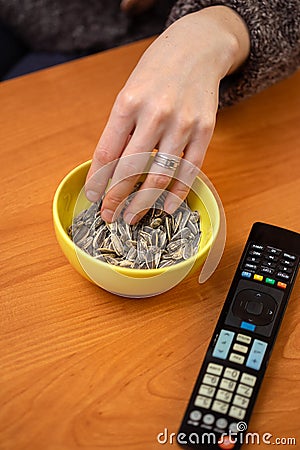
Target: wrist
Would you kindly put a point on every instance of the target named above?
(218, 35)
(233, 32)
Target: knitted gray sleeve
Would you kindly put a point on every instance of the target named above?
(274, 27)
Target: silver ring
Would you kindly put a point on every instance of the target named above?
(164, 160)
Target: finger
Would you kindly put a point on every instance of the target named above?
(155, 183)
(110, 146)
(157, 180)
(130, 166)
(127, 173)
(180, 186)
(171, 145)
(189, 168)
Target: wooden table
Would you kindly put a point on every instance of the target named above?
(82, 368)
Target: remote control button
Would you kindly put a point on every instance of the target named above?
(202, 402)
(246, 274)
(208, 391)
(238, 359)
(233, 374)
(254, 307)
(226, 443)
(233, 427)
(253, 259)
(240, 401)
(248, 379)
(281, 285)
(212, 380)
(237, 413)
(195, 415)
(270, 313)
(270, 281)
(258, 277)
(274, 251)
(223, 344)
(244, 390)
(225, 396)
(227, 384)
(285, 269)
(257, 247)
(220, 407)
(243, 338)
(249, 266)
(255, 253)
(248, 326)
(266, 270)
(289, 256)
(221, 423)
(283, 275)
(240, 348)
(287, 262)
(271, 257)
(215, 369)
(269, 264)
(208, 419)
(256, 354)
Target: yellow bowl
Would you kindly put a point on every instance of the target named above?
(69, 200)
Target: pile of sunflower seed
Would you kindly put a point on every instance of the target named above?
(157, 240)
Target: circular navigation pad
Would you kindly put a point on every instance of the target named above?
(254, 306)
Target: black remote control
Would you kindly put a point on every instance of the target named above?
(237, 356)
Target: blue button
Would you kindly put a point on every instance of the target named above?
(223, 344)
(256, 354)
(246, 274)
(248, 326)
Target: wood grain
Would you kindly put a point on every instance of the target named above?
(84, 369)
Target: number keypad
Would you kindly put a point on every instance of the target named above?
(228, 393)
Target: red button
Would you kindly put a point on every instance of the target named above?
(281, 285)
(226, 443)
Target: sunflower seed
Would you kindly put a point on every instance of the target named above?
(117, 244)
(81, 235)
(158, 240)
(188, 250)
(131, 255)
(156, 222)
(126, 263)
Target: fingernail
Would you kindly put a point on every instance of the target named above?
(170, 207)
(92, 196)
(129, 217)
(107, 215)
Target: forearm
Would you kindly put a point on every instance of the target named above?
(274, 29)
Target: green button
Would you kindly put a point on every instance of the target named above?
(270, 281)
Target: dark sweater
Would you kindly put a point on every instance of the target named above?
(59, 25)
(274, 27)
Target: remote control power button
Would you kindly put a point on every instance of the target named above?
(226, 443)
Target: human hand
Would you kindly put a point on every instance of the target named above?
(169, 102)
